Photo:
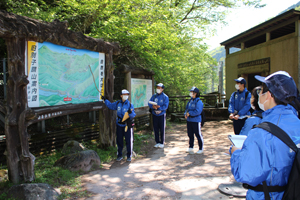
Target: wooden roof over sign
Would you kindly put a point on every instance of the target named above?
(284, 20)
(56, 32)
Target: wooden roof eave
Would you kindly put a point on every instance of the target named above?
(56, 32)
(270, 25)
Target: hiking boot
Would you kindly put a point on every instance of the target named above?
(157, 145)
(119, 159)
(128, 160)
(161, 146)
(199, 152)
(190, 151)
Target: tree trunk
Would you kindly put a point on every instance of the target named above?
(20, 161)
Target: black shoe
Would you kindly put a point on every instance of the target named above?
(119, 159)
(128, 160)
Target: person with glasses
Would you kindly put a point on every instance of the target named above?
(124, 126)
(264, 159)
(256, 115)
(239, 105)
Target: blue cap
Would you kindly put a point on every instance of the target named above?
(280, 84)
(161, 85)
(241, 80)
(194, 89)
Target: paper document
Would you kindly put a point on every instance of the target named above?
(153, 103)
(237, 140)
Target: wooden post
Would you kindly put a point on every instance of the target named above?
(107, 118)
(268, 36)
(242, 45)
(20, 162)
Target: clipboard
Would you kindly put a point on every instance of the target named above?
(237, 140)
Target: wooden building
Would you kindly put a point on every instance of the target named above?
(266, 48)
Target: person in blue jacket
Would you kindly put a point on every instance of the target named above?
(122, 106)
(256, 116)
(263, 156)
(239, 105)
(193, 117)
(159, 114)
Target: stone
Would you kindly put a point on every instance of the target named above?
(82, 160)
(33, 191)
(72, 146)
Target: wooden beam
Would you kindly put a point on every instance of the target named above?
(258, 33)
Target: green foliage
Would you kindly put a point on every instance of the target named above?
(164, 36)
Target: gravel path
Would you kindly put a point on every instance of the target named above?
(169, 173)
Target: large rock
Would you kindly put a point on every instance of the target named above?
(83, 160)
(72, 146)
(33, 191)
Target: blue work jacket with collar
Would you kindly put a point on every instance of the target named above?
(264, 157)
(194, 107)
(237, 102)
(122, 108)
(162, 100)
(250, 122)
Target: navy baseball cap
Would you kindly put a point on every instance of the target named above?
(280, 84)
(161, 85)
(241, 80)
(194, 89)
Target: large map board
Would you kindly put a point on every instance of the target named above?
(61, 75)
(141, 92)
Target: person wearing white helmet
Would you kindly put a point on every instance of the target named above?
(264, 162)
(159, 114)
(122, 106)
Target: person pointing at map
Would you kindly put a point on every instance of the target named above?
(125, 115)
(158, 104)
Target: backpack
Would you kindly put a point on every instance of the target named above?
(292, 189)
(203, 118)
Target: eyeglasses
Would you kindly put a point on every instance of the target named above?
(258, 91)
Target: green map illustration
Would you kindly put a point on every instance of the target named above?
(139, 95)
(65, 77)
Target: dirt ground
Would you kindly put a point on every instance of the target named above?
(169, 173)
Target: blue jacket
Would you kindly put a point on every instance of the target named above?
(250, 122)
(162, 100)
(194, 107)
(122, 108)
(264, 157)
(238, 103)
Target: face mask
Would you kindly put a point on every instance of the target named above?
(125, 97)
(191, 94)
(261, 105)
(237, 86)
(158, 91)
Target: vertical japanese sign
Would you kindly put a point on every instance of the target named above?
(61, 75)
(32, 72)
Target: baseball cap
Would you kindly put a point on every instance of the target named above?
(241, 80)
(125, 92)
(194, 89)
(161, 85)
(280, 84)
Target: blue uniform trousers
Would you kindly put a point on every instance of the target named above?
(128, 139)
(195, 128)
(159, 125)
(238, 125)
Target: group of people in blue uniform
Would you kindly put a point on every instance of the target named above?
(264, 161)
(263, 158)
(158, 107)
